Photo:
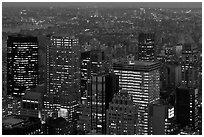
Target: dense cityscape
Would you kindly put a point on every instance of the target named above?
(94, 70)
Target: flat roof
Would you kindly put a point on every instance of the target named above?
(11, 120)
(137, 65)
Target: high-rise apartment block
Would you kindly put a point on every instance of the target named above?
(142, 81)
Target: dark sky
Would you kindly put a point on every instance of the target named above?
(106, 4)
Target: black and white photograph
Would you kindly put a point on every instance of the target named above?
(101, 68)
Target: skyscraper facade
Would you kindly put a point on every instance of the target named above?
(189, 69)
(142, 81)
(103, 87)
(61, 97)
(146, 47)
(122, 115)
(92, 63)
(22, 59)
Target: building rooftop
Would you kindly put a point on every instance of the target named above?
(137, 65)
(35, 93)
(11, 121)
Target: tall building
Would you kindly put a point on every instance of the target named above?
(62, 93)
(22, 62)
(189, 66)
(142, 81)
(146, 47)
(92, 63)
(103, 87)
(187, 107)
(162, 119)
(122, 115)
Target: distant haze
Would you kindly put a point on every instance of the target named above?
(106, 4)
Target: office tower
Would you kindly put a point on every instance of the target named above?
(162, 119)
(189, 63)
(121, 116)
(92, 63)
(32, 102)
(62, 96)
(146, 47)
(103, 87)
(187, 107)
(22, 62)
(142, 81)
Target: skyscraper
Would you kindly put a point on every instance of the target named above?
(22, 59)
(103, 87)
(189, 68)
(187, 107)
(92, 63)
(142, 81)
(122, 115)
(62, 95)
(162, 119)
(146, 48)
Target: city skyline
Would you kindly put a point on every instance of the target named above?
(101, 68)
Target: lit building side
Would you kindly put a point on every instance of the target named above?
(146, 47)
(161, 119)
(187, 107)
(189, 69)
(62, 93)
(92, 63)
(122, 115)
(22, 62)
(142, 81)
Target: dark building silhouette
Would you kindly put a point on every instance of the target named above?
(58, 126)
(92, 63)
(146, 47)
(93, 117)
(22, 62)
(162, 119)
(187, 107)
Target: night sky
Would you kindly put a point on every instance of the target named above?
(106, 4)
